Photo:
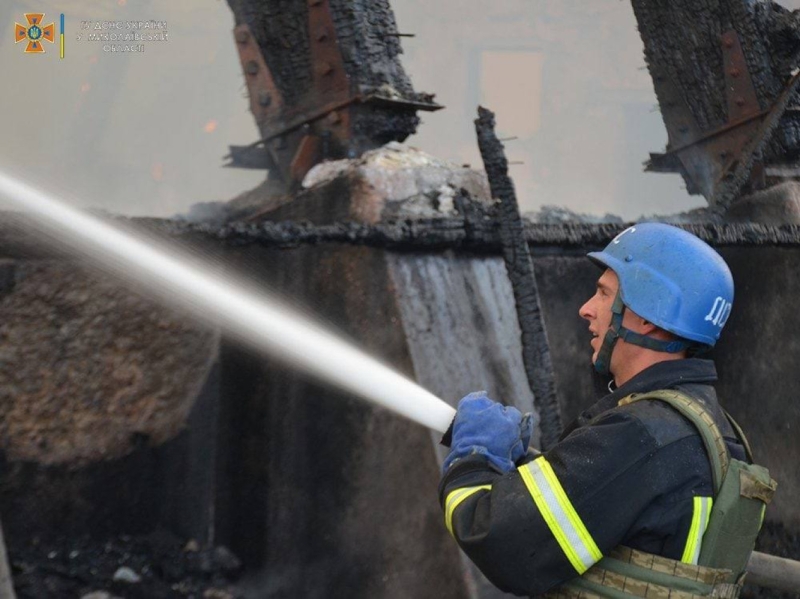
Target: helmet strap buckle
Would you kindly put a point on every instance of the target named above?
(617, 331)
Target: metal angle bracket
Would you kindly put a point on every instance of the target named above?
(331, 81)
(706, 158)
(739, 90)
(266, 102)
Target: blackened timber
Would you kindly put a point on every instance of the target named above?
(454, 233)
(430, 235)
(324, 79)
(535, 346)
(280, 28)
(729, 189)
(711, 65)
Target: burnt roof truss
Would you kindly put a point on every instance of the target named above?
(318, 123)
(718, 163)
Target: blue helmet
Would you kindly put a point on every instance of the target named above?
(672, 279)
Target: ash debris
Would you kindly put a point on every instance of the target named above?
(154, 566)
(703, 215)
(398, 181)
(394, 181)
(266, 196)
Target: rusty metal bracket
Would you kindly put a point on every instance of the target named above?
(708, 159)
(307, 155)
(327, 109)
(331, 82)
(265, 99)
(730, 187)
(250, 157)
(256, 155)
(318, 123)
(739, 89)
(684, 154)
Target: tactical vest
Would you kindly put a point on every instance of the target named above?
(741, 493)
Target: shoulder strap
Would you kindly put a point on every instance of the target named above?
(740, 435)
(701, 418)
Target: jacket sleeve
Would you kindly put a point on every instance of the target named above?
(556, 515)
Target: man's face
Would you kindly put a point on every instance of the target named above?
(597, 311)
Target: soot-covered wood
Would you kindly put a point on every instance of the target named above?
(366, 35)
(683, 49)
(535, 346)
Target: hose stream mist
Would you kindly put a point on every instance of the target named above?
(171, 274)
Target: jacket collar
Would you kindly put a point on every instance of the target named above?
(663, 375)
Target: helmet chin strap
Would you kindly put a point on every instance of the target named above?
(617, 331)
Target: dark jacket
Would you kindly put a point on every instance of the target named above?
(631, 473)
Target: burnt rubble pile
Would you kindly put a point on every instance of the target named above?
(154, 566)
(393, 182)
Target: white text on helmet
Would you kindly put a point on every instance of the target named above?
(719, 312)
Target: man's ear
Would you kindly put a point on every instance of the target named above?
(648, 327)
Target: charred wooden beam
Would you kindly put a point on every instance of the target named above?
(452, 233)
(325, 81)
(723, 75)
(478, 236)
(535, 346)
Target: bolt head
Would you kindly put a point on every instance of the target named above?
(242, 37)
(251, 68)
(739, 101)
(264, 99)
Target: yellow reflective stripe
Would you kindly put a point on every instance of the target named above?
(700, 515)
(559, 514)
(455, 498)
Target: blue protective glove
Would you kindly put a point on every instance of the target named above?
(483, 426)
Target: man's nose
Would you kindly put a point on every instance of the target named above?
(585, 311)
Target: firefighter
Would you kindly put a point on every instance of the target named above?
(631, 480)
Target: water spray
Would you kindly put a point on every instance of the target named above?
(169, 273)
(254, 317)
